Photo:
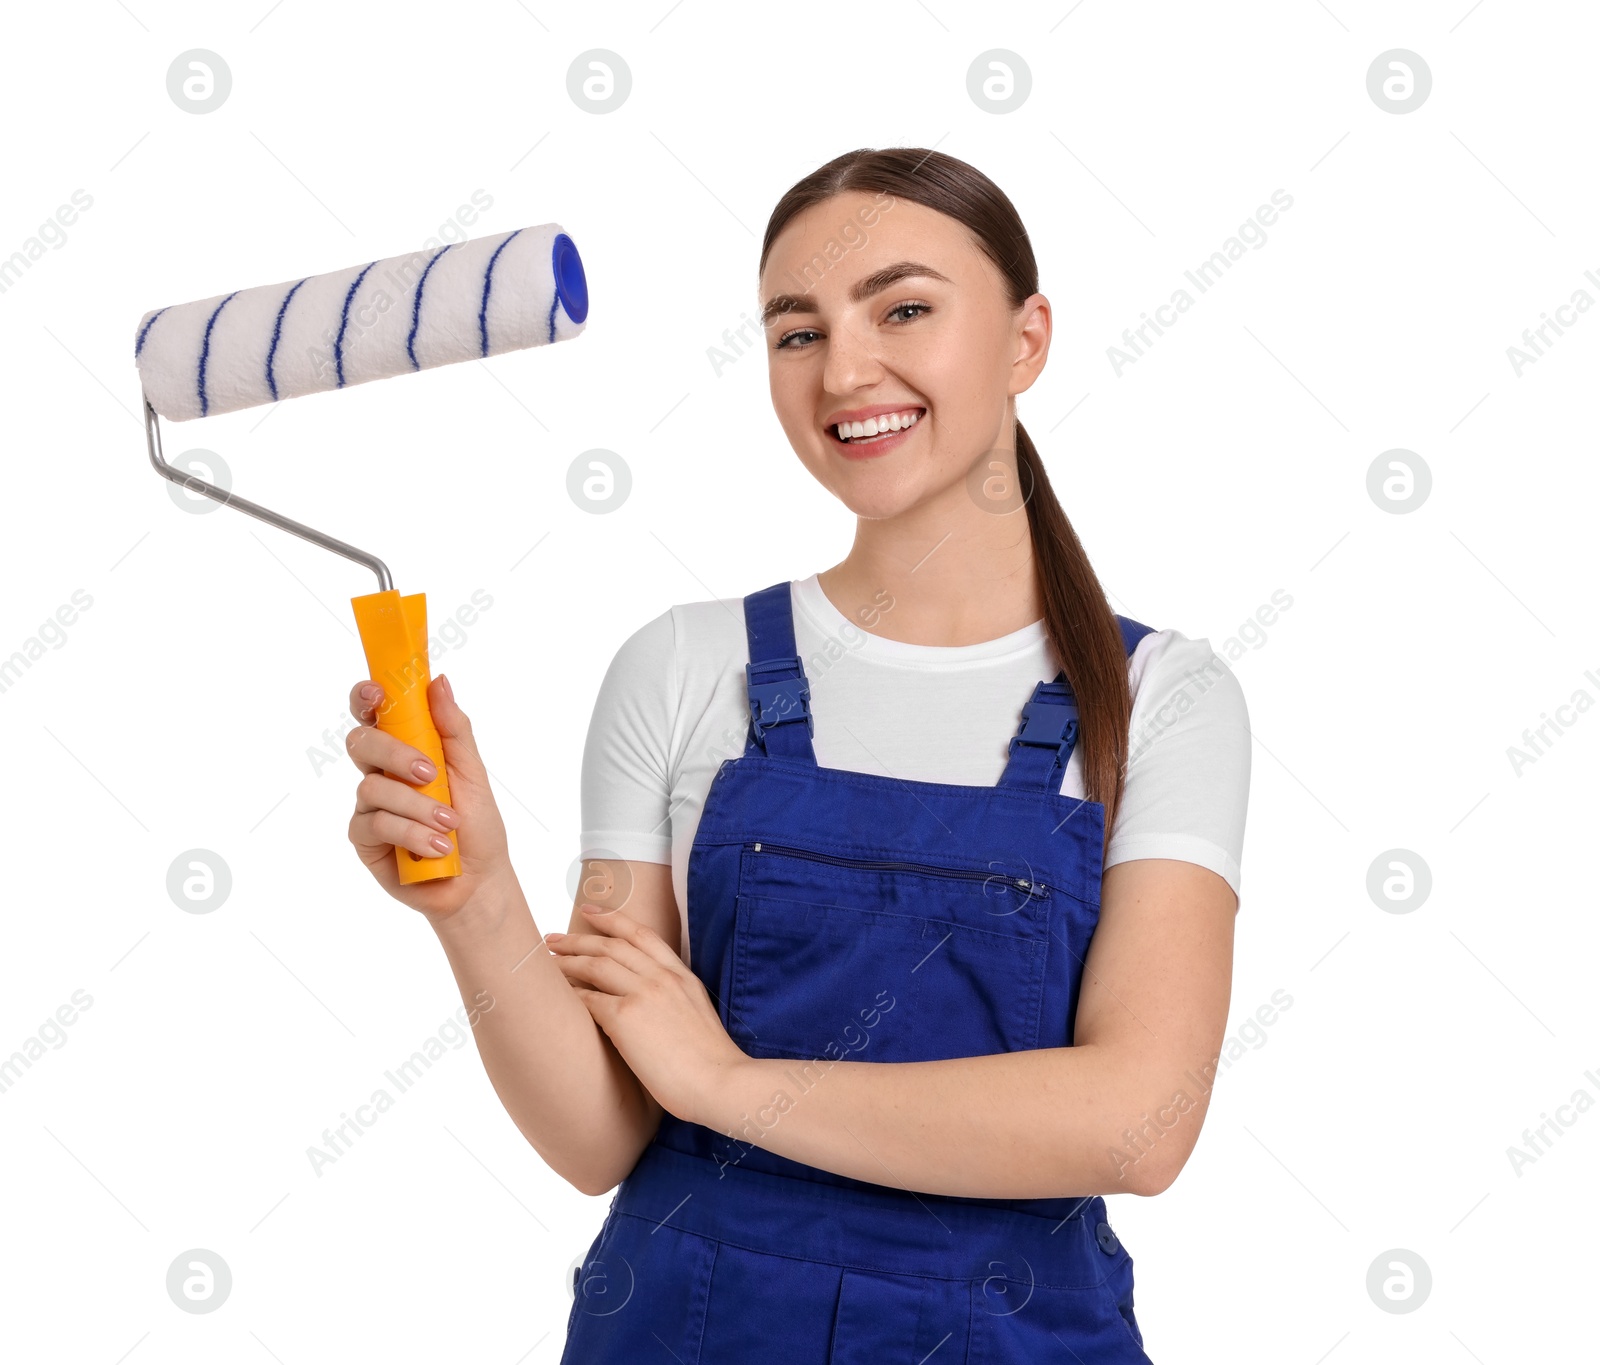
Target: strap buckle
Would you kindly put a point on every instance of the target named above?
(1049, 720)
(779, 700)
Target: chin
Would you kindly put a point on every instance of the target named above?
(874, 510)
(877, 499)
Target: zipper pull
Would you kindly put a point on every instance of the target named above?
(757, 848)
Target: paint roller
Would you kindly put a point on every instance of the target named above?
(465, 301)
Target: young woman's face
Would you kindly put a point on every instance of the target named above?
(893, 308)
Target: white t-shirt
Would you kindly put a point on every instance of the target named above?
(673, 705)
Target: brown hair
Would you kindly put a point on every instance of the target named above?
(1078, 621)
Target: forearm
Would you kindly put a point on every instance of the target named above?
(1044, 1123)
(558, 1076)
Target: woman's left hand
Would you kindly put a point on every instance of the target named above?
(653, 1008)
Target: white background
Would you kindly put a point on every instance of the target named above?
(181, 709)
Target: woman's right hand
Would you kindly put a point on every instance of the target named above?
(390, 810)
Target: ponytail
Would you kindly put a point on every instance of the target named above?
(1083, 632)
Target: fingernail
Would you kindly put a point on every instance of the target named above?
(444, 686)
(440, 843)
(445, 817)
(370, 692)
(592, 909)
(551, 938)
(423, 769)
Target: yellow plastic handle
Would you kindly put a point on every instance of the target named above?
(394, 633)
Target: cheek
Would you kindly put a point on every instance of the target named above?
(818, 467)
(793, 402)
(958, 385)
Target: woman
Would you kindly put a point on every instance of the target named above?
(876, 986)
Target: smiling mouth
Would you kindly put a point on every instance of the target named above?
(877, 428)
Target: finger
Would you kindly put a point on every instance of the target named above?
(622, 926)
(636, 961)
(578, 988)
(455, 733)
(373, 832)
(449, 719)
(598, 1003)
(603, 973)
(351, 742)
(374, 751)
(378, 792)
(365, 698)
(389, 812)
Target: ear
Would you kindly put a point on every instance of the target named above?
(1032, 331)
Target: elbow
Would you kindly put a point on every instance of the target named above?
(1156, 1172)
(595, 1180)
(590, 1181)
(1148, 1155)
(601, 1171)
(1149, 1167)
(1150, 1179)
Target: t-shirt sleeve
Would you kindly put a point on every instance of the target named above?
(626, 780)
(1188, 777)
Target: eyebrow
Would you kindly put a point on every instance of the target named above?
(859, 292)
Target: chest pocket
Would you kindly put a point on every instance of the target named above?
(857, 959)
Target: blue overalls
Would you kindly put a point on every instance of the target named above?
(845, 916)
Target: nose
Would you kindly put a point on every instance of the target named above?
(852, 361)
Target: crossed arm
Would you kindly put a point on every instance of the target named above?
(1118, 1112)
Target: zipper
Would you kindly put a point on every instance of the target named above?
(930, 869)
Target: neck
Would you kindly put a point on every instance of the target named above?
(956, 574)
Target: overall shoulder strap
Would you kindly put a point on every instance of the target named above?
(1038, 753)
(1132, 632)
(775, 679)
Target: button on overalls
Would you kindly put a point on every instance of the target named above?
(844, 916)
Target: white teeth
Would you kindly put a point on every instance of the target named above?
(876, 426)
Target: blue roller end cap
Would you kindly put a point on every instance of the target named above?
(571, 286)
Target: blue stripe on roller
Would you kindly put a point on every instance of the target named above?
(205, 353)
(145, 330)
(277, 331)
(344, 321)
(416, 306)
(488, 274)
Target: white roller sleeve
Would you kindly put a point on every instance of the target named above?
(431, 307)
